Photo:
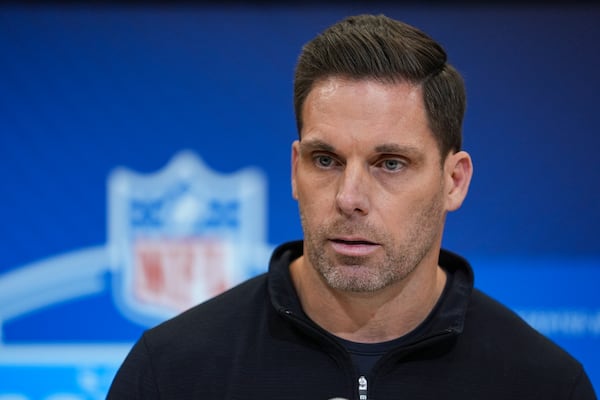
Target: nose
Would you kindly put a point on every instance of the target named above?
(352, 197)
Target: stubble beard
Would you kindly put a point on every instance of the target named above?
(370, 273)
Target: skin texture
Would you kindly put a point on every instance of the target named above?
(373, 193)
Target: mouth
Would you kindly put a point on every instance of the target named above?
(352, 241)
(356, 247)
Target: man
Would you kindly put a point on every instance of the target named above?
(368, 306)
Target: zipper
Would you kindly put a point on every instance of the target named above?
(362, 388)
(362, 380)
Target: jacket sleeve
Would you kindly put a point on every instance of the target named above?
(135, 378)
(583, 389)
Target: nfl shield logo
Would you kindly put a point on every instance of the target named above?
(183, 235)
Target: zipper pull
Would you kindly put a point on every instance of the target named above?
(362, 388)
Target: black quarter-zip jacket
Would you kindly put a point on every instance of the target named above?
(255, 342)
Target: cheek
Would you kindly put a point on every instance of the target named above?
(314, 190)
(312, 206)
(407, 208)
(316, 206)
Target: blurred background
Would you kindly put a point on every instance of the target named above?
(144, 167)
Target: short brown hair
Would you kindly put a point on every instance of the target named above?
(378, 47)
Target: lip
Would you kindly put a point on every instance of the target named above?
(354, 246)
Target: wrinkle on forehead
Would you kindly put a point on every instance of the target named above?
(368, 101)
(327, 87)
(340, 100)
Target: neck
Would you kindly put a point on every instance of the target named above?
(374, 316)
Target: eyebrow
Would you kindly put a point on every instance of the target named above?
(319, 145)
(397, 149)
(316, 144)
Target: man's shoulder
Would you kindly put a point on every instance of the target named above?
(505, 332)
(231, 310)
(503, 345)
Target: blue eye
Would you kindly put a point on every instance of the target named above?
(392, 164)
(323, 161)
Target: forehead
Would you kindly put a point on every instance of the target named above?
(367, 112)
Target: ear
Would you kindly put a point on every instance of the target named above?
(458, 170)
(295, 158)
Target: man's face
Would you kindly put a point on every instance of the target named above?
(369, 182)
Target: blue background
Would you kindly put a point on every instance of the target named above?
(87, 88)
